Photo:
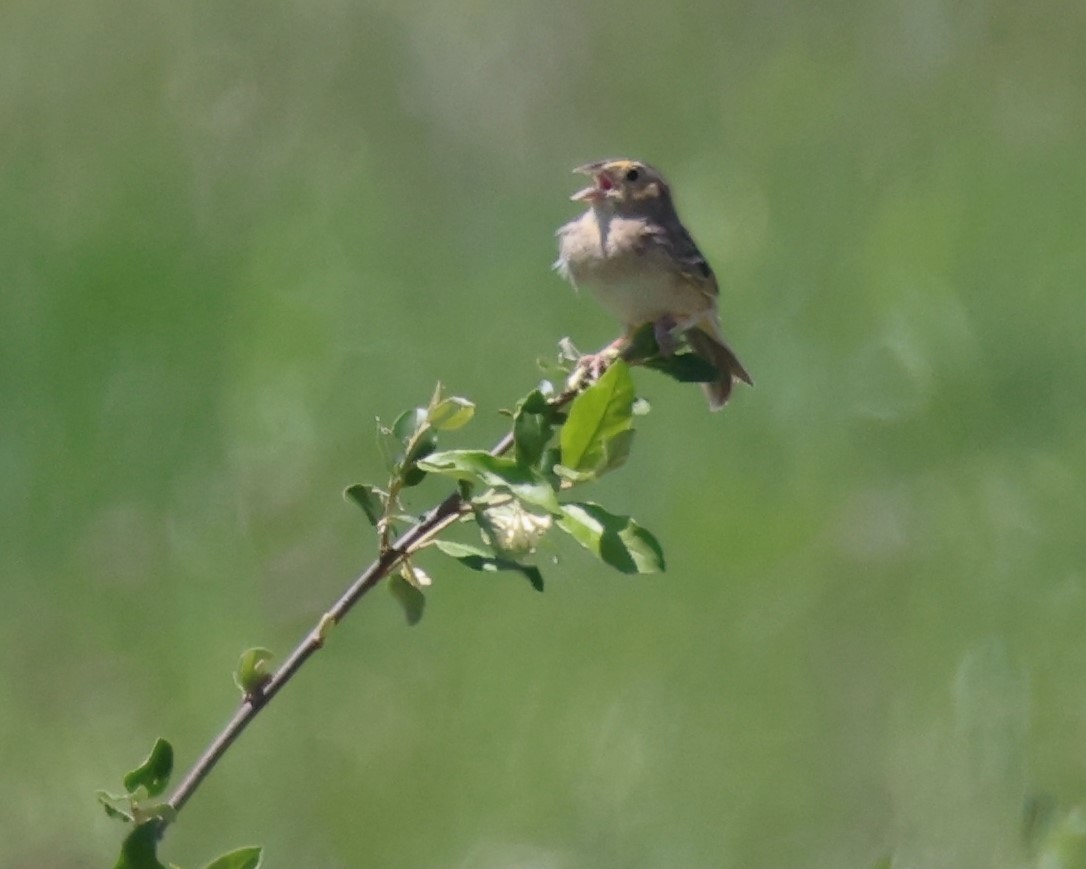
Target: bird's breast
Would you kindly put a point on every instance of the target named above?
(632, 280)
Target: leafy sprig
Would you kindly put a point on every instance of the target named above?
(515, 494)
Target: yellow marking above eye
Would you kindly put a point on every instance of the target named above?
(627, 170)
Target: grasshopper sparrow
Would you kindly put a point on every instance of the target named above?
(632, 251)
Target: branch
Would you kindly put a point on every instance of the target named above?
(513, 500)
(439, 518)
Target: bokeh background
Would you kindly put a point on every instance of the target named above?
(233, 234)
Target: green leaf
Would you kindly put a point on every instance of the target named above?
(489, 530)
(547, 466)
(616, 451)
(417, 440)
(251, 673)
(366, 497)
(527, 484)
(410, 598)
(598, 415)
(248, 857)
(162, 811)
(479, 559)
(139, 846)
(613, 455)
(616, 540)
(154, 773)
(416, 576)
(409, 470)
(532, 428)
(451, 413)
(686, 367)
(108, 802)
(408, 424)
(568, 355)
(510, 529)
(572, 476)
(641, 345)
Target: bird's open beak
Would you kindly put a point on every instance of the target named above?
(590, 168)
(597, 191)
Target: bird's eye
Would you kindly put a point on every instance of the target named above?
(632, 175)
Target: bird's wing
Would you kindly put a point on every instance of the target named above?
(681, 253)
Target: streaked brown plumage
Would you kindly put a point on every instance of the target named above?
(631, 250)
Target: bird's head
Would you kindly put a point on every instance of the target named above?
(622, 184)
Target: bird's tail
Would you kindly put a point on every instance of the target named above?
(708, 343)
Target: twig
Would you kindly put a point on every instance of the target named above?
(433, 523)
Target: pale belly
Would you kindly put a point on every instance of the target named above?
(635, 288)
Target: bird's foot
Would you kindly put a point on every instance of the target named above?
(592, 366)
(663, 330)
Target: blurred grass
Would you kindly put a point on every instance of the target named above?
(233, 235)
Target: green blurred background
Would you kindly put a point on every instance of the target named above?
(235, 233)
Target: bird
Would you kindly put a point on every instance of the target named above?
(631, 250)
